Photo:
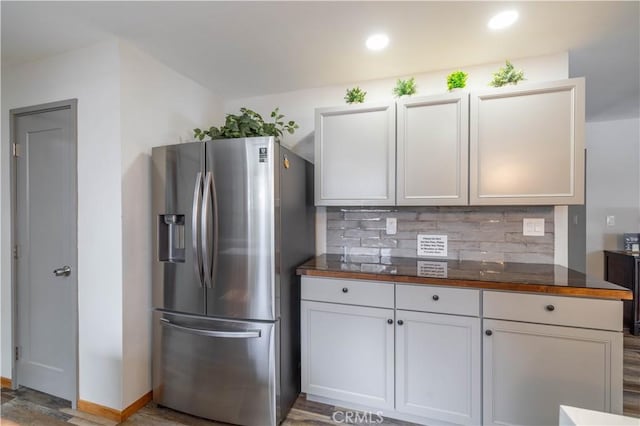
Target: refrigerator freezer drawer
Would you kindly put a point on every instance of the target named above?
(218, 369)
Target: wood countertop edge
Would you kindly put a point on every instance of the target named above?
(600, 293)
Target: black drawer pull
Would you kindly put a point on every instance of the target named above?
(345, 290)
(436, 297)
(488, 332)
(550, 308)
(389, 321)
(400, 322)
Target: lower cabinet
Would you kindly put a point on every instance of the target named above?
(438, 367)
(530, 369)
(435, 360)
(348, 353)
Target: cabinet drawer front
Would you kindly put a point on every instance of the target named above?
(555, 310)
(350, 292)
(445, 300)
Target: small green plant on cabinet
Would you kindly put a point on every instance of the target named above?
(457, 80)
(405, 87)
(248, 124)
(355, 95)
(506, 75)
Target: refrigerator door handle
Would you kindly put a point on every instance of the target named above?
(249, 334)
(209, 254)
(195, 221)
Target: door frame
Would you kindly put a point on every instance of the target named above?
(72, 105)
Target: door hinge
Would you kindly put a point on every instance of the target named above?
(15, 148)
(16, 252)
(17, 353)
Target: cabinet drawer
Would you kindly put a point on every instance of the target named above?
(445, 300)
(351, 292)
(555, 310)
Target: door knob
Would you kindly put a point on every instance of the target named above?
(65, 271)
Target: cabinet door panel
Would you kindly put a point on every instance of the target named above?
(438, 367)
(433, 144)
(348, 353)
(527, 144)
(529, 370)
(355, 155)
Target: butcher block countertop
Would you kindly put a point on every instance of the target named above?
(522, 277)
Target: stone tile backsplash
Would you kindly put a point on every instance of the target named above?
(492, 234)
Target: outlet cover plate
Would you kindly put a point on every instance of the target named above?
(392, 226)
(533, 227)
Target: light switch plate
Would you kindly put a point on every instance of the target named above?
(611, 221)
(533, 227)
(392, 225)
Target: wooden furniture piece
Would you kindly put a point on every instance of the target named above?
(623, 268)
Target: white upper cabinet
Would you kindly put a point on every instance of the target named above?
(355, 161)
(433, 146)
(521, 145)
(527, 144)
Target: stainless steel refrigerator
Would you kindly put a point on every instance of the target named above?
(233, 219)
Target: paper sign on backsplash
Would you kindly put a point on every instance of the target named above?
(432, 269)
(432, 245)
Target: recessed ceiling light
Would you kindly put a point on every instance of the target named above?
(377, 42)
(503, 19)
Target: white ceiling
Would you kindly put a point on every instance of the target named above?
(240, 49)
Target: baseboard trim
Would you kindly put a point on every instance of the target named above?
(5, 383)
(112, 413)
(137, 404)
(100, 410)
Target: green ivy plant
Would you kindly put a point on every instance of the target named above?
(457, 80)
(248, 124)
(506, 75)
(355, 96)
(405, 87)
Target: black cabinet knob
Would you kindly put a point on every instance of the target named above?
(488, 332)
(436, 297)
(400, 322)
(389, 321)
(345, 290)
(550, 308)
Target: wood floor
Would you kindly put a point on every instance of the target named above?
(28, 407)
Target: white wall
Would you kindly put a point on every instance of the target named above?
(613, 186)
(127, 103)
(300, 105)
(159, 107)
(91, 76)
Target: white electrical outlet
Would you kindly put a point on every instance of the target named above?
(611, 221)
(392, 225)
(533, 227)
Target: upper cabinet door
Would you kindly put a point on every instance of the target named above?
(527, 144)
(355, 155)
(433, 150)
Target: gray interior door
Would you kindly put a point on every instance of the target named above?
(239, 205)
(45, 234)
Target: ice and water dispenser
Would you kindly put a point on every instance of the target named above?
(171, 238)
